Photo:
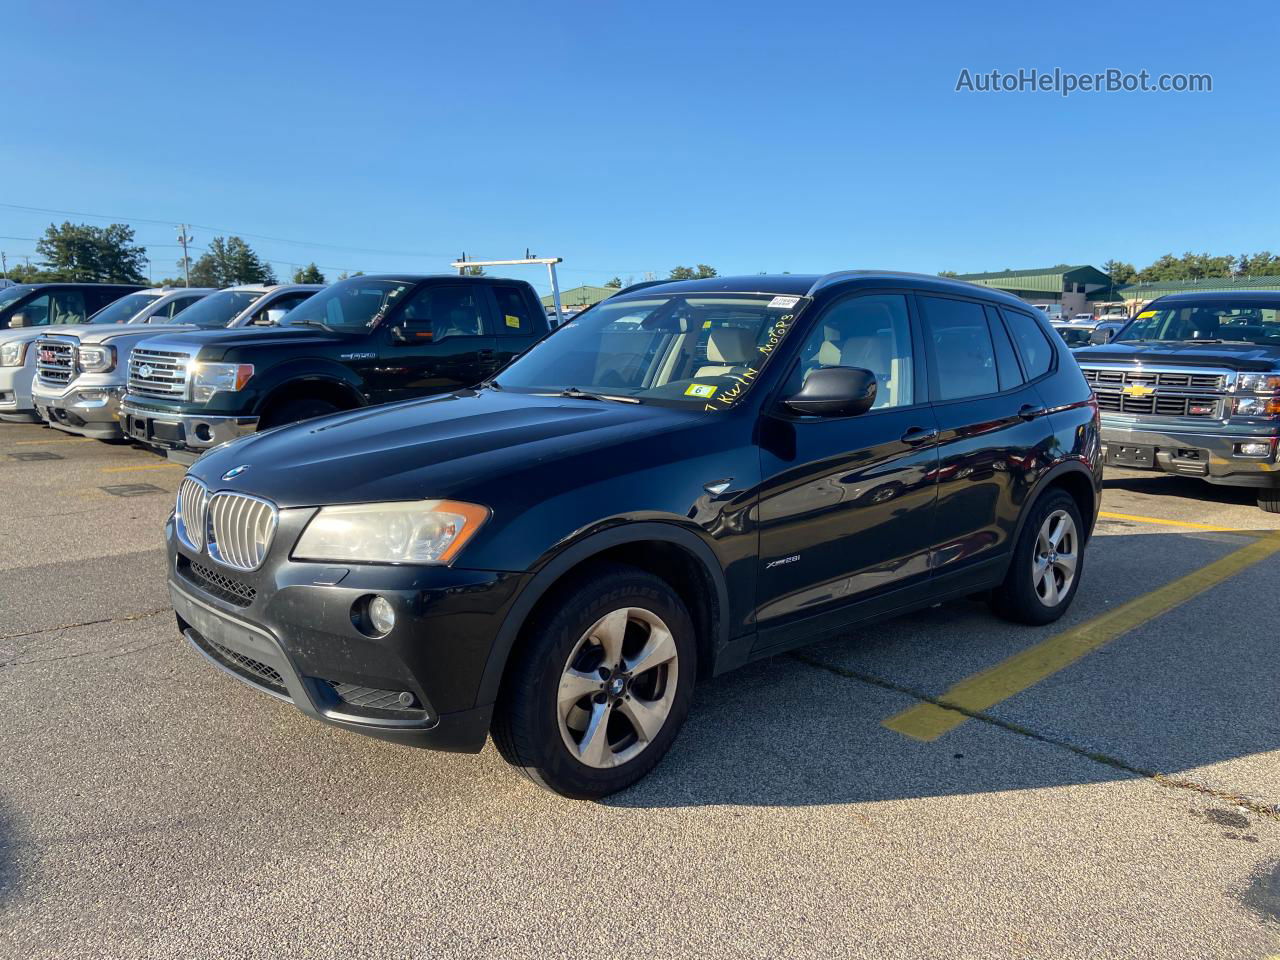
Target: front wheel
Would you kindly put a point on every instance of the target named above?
(291, 411)
(1047, 563)
(1269, 499)
(601, 685)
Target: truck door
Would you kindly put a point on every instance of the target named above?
(519, 326)
(441, 340)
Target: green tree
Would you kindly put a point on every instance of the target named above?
(1263, 264)
(616, 283)
(700, 272)
(473, 271)
(94, 254)
(1119, 271)
(947, 273)
(308, 274)
(228, 262)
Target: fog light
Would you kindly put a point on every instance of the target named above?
(1254, 449)
(382, 616)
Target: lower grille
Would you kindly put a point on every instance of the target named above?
(253, 670)
(371, 697)
(219, 585)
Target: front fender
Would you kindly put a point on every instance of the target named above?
(292, 374)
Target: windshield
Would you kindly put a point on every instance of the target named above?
(354, 304)
(703, 350)
(123, 309)
(218, 309)
(1206, 320)
(9, 294)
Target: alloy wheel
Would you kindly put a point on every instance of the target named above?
(617, 687)
(1053, 565)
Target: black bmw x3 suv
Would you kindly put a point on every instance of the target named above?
(684, 478)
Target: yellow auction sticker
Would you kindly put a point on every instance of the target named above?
(703, 390)
(1145, 314)
(512, 321)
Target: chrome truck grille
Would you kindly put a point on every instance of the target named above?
(160, 374)
(235, 529)
(1199, 394)
(55, 360)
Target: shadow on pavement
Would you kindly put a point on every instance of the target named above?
(1190, 688)
(1184, 488)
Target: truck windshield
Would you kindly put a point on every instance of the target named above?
(9, 295)
(123, 309)
(702, 351)
(354, 304)
(218, 309)
(1206, 320)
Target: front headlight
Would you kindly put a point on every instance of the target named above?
(96, 358)
(209, 378)
(1257, 406)
(1257, 383)
(419, 531)
(13, 354)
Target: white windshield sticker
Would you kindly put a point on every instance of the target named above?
(783, 303)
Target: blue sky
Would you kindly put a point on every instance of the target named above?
(633, 137)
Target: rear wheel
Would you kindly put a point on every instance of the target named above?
(1047, 563)
(601, 686)
(291, 411)
(1269, 499)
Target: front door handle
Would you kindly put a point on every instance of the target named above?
(918, 435)
(1030, 411)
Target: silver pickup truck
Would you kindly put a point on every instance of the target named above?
(80, 375)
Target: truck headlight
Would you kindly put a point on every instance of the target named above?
(13, 354)
(208, 378)
(1257, 383)
(96, 358)
(420, 531)
(1257, 406)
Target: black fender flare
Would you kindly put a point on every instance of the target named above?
(553, 569)
(1058, 470)
(329, 379)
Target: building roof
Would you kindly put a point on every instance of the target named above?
(581, 296)
(1163, 288)
(1040, 279)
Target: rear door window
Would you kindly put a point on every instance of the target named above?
(1033, 346)
(68, 307)
(961, 356)
(1006, 360)
(513, 313)
(444, 310)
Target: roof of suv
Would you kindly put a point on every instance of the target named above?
(1245, 296)
(808, 284)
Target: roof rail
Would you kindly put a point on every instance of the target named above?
(828, 279)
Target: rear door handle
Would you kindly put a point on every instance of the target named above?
(1030, 411)
(915, 436)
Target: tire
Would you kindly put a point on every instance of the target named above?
(1027, 595)
(1269, 499)
(594, 745)
(291, 411)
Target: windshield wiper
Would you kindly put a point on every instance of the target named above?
(577, 394)
(307, 323)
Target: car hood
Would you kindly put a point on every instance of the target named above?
(1232, 356)
(467, 445)
(58, 330)
(213, 344)
(103, 332)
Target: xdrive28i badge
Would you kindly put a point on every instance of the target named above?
(235, 472)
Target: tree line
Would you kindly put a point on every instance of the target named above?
(82, 253)
(700, 272)
(1195, 266)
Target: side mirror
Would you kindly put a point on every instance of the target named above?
(835, 392)
(397, 335)
(1098, 336)
(18, 320)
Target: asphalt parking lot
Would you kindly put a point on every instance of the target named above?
(943, 785)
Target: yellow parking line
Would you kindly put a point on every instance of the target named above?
(928, 721)
(1169, 523)
(45, 443)
(147, 466)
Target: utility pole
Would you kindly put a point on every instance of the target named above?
(4, 266)
(184, 238)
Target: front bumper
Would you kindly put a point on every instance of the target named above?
(287, 630)
(85, 410)
(191, 433)
(15, 394)
(1214, 456)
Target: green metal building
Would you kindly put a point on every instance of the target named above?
(578, 298)
(1146, 292)
(1048, 284)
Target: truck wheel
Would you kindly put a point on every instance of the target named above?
(292, 411)
(1269, 499)
(600, 688)
(1047, 563)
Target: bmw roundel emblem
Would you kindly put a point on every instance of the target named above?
(235, 472)
(145, 371)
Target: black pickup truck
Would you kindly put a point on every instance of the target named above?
(1192, 387)
(362, 341)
